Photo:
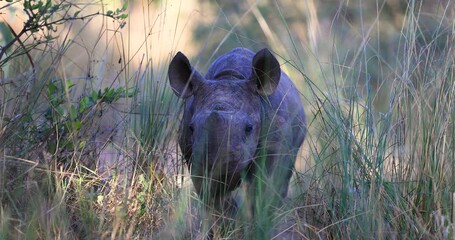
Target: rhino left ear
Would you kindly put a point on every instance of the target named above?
(266, 71)
(182, 77)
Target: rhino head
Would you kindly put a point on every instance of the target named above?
(222, 122)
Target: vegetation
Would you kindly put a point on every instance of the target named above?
(88, 123)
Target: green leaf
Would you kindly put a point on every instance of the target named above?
(41, 7)
(52, 147)
(6, 33)
(27, 4)
(77, 125)
(36, 6)
(123, 16)
(95, 96)
(73, 113)
(124, 6)
(69, 84)
(48, 4)
(142, 180)
(51, 88)
(83, 104)
(82, 144)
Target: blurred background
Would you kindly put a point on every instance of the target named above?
(309, 37)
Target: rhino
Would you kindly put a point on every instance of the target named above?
(242, 121)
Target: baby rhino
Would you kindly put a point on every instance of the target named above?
(243, 121)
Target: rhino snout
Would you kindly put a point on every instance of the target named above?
(219, 143)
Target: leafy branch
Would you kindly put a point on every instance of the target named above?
(44, 17)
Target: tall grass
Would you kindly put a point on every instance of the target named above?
(388, 174)
(378, 159)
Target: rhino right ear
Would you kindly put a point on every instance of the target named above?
(182, 76)
(267, 72)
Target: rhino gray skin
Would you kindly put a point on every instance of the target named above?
(243, 119)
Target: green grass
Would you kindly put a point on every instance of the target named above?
(377, 82)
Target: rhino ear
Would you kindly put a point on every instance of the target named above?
(182, 77)
(267, 72)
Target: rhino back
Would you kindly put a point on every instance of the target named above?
(235, 63)
(283, 115)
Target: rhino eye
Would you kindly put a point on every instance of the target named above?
(248, 129)
(191, 129)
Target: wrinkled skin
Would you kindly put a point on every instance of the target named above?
(242, 119)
